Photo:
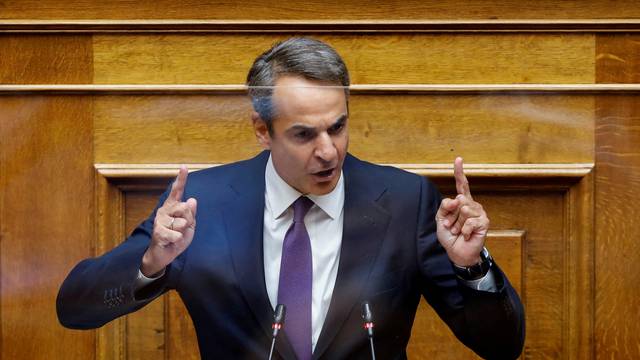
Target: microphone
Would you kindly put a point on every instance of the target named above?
(367, 318)
(278, 322)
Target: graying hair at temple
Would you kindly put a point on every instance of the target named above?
(305, 57)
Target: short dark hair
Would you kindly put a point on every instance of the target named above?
(305, 57)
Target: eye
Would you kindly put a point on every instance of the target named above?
(336, 128)
(303, 134)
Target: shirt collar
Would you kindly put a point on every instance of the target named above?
(281, 195)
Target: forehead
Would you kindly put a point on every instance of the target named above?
(307, 101)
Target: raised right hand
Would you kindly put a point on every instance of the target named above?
(173, 228)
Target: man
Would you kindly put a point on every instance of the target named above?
(307, 225)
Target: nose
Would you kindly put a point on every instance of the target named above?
(325, 148)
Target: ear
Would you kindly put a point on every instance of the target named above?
(261, 130)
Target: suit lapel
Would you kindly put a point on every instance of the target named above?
(365, 226)
(243, 216)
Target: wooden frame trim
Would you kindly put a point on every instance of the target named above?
(325, 26)
(580, 268)
(577, 170)
(110, 339)
(187, 89)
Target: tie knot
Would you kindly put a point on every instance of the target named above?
(300, 208)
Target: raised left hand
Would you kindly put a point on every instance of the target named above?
(462, 223)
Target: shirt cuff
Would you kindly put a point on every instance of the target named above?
(485, 283)
(142, 281)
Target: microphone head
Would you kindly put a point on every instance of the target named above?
(279, 314)
(367, 315)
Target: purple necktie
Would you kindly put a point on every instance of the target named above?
(296, 276)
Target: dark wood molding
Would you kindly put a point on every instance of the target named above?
(367, 26)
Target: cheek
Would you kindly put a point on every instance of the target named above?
(295, 158)
(342, 144)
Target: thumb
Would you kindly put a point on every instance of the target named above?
(193, 205)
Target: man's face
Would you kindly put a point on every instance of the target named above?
(310, 137)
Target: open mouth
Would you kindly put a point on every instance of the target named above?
(325, 174)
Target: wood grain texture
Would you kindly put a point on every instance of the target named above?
(385, 128)
(429, 333)
(579, 269)
(414, 58)
(617, 59)
(316, 9)
(94, 26)
(45, 59)
(47, 220)
(617, 248)
(617, 185)
(542, 215)
(110, 225)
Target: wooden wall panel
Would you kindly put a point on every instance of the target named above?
(320, 10)
(46, 210)
(617, 196)
(45, 59)
(544, 263)
(46, 220)
(383, 128)
(371, 58)
(617, 58)
(617, 247)
(169, 129)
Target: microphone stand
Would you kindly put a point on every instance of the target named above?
(367, 317)
(278, 322)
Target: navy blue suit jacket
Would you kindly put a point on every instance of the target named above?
(390, 256)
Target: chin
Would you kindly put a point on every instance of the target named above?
(322, 189)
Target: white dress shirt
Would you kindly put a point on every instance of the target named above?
(324, 224)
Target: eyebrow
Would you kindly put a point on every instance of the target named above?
(341, 120)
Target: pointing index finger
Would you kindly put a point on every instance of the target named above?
(462, 184)
(177, 189)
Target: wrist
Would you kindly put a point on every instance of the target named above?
(466, 263)
(476, 270)
(148, 267)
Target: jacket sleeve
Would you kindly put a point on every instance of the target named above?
(490, 323)
(98, 290)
